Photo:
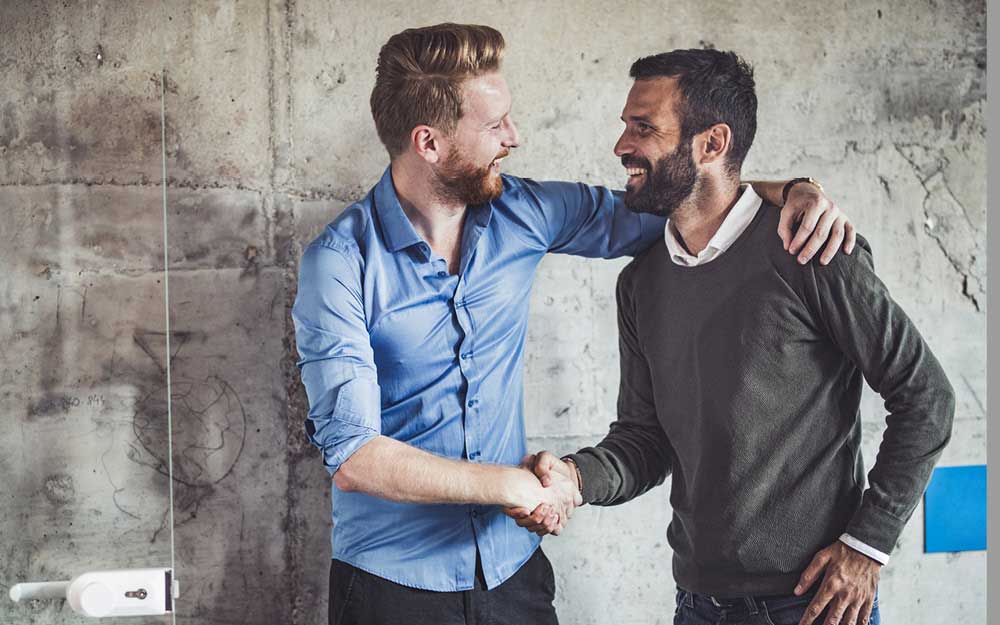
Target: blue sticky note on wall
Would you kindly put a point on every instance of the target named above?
(955, 509)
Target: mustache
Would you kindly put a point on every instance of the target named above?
(632, 161)
(502, 154)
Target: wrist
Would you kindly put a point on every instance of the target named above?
(518, 488)
(785, 190)
(575, 474)
(863, 549)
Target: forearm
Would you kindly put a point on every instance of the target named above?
(635, 455)
(911, 445)
(389, 469)
(630, 460)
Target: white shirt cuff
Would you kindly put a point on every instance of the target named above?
(871, 552)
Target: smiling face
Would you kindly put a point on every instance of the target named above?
(483, 137)
(661, 170)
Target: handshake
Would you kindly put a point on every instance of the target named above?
(545, 492)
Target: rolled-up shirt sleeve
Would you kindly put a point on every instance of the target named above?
(336, 360)
(590, 221)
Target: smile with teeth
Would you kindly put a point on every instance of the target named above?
(635, 171)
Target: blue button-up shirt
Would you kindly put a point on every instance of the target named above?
(392, 343)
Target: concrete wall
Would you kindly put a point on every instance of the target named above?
(268, 137)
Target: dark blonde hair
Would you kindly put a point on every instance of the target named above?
(419, 76)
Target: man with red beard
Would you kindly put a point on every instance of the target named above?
(742, 372)
(410, 321)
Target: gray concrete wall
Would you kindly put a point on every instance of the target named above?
(268, 137)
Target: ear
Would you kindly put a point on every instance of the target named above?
(713, 144)
(426, 142)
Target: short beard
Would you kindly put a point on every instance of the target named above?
(668, 184)
(461, 181)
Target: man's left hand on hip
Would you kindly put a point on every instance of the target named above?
(848, 587)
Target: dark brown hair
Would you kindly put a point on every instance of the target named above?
(716, 87)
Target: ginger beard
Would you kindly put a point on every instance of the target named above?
(460, 180)
(664, 187)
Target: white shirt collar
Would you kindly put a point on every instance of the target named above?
(732, 227)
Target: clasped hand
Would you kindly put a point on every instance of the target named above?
(560, 495)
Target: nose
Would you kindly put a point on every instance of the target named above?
(513, 139)
(623, 146)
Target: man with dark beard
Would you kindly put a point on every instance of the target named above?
(410, 320)
(741, 376)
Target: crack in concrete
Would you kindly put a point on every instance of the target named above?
(143, 182)
(175, 183)
(975, 395)
(929, 216)
(801, 154)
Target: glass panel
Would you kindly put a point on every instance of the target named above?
(228, 296)
(82, 315)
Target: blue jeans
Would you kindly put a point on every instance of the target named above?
(693, 609)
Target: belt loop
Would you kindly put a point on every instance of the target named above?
(751, 605)
(689, 599)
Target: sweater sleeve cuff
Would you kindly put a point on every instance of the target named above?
(868, 550)
(594, 481)
(875, 527)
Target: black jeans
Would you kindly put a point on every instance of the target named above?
(360, 598)
(694, 609)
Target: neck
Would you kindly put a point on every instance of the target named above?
(699, 217)
(436, 219)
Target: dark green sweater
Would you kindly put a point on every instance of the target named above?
(742, 379)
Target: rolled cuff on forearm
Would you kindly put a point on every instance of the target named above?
(876, 527)
(868, 550)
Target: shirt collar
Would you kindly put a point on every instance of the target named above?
(732, 227)
(396, 226)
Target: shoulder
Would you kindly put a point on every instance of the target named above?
(860, 262)
(347, 232)
(518, 192)
(767, 239)
(519, 187)
(339, 250)
(542, 193)
(643, 264)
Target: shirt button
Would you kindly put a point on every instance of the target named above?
(474, 455)
(475, 513)
(466, 355)
(442, 274)
(473, 402)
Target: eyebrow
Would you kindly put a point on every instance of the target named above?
(496, 120)
(638, 118)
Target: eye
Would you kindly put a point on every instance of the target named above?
(644, 129)
(496, 126)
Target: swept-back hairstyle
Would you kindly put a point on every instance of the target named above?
(419, 76)
(716, 87)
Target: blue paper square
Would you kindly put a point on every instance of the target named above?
(955, 509)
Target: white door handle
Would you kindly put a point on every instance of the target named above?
(125, 592)
(38, 590)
